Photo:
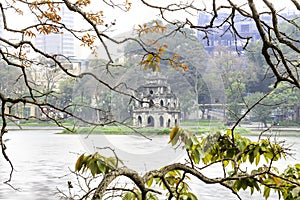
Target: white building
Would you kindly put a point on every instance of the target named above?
(159, 107)
(59, 43)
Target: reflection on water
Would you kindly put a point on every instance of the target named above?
(42, 158)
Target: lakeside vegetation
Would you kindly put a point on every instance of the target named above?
(197, 127)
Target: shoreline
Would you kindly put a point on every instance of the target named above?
(255, 130)
(272, 129)
(17, 128)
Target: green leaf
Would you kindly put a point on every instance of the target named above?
(129, 196)
(151, 197)
(237, 185)
(188, 143)
(111, 162)
(254, 184)
(266, 192)
(191, 196)
(256, 151)
(252, 190)
(251, 157)
(225, 163)
(244, 184)
(149, 182)
(207, 158)
(94, 168)
(268, 155)
(102, 168)
(229, 132)
(196, 156)
(230, 153)
(257, 159)
(194, 139)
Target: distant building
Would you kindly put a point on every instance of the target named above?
(223, 36)
(59, 43)
(159, 106)
(1, 28)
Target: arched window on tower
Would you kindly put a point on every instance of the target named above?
(150, 121)
(161, 121)
(169, 123)
(140, 122)
(161, 103)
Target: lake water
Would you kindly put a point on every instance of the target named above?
(42, 159)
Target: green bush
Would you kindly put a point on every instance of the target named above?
(288, 123)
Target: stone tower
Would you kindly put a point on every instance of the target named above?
(159, 106)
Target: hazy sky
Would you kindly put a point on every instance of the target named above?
(138, 14)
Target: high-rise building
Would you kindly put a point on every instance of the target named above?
(224, 35)
(59, 43)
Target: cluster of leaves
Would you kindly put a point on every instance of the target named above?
(155, 28)
(240, 152)
(152, 60)
(173, 182)
(286, 184)
(89, 40)
(136, 194)
(233, 155)
(96, 163)
(47, 12)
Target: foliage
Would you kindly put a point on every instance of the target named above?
(117, 130)
(151, 34)
(233, 156)
(201, 123)
(262, 112)
(288, 123)
(234, 93)
(286, 99)
(9, 81)
(261, 78)
(96, 163)
(66, 88)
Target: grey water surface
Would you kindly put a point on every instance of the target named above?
(42, 161)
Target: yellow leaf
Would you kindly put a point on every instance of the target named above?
(173, 133)
(150, 57)
(79, 163)
(276, 180)
(184, 67)
(157, 59)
